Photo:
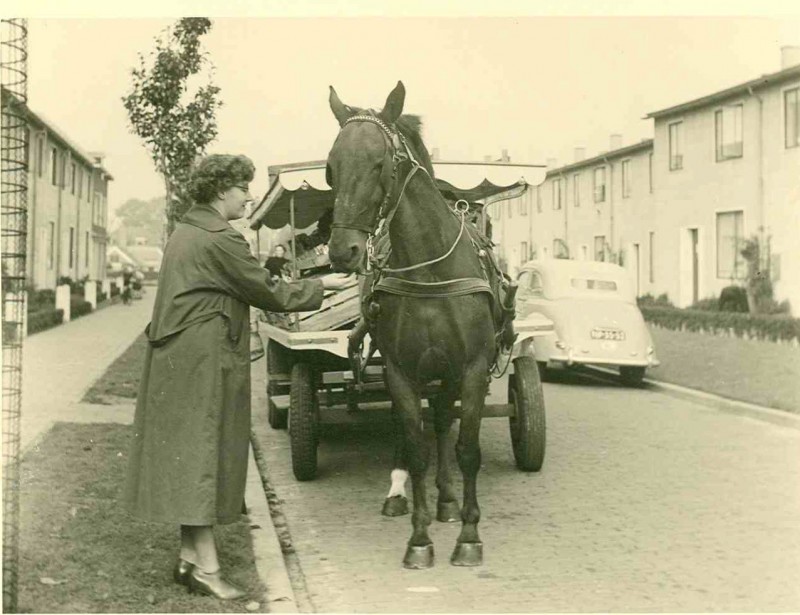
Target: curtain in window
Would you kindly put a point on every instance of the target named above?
(730, 229)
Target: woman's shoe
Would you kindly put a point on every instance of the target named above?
(212, 584)
(182, 571)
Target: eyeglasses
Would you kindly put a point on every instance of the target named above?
(242, 187)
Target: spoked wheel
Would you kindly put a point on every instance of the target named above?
(277, 363)
(303, 421)
(528, 425)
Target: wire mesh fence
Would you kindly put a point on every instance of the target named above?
(14, 148)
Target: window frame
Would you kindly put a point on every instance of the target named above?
(796, 91)
(602, 248)
(739, 268)
(595, 185)
(54, 165)
(720, 154)
(576, 190)
(558, 202)
(625, 172)
(675, 154)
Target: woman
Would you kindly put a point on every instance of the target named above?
(188, 459)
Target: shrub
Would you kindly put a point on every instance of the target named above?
(101, 296)
(114, 289)
(733, 299)
(648, 299)
(772, 328)
(41, 299)
(78, 307)
(44, 319)
(709, 304)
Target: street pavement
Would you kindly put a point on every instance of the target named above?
(646, 502)
(60, 364)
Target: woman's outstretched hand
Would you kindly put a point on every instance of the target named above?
(338, 281)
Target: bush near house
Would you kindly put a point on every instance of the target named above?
(114, 289)
(78, 306)
(44, 319)
(767, 327)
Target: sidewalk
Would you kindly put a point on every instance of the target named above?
(60, 364)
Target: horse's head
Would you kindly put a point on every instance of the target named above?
(360, 171)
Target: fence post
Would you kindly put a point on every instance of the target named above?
(90, 293)
(62, 300)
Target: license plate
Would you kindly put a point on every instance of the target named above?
(608, 334)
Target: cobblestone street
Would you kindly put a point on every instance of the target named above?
(645, 503)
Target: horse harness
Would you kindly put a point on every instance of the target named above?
(401, 152)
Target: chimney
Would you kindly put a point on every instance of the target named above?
(552, 163)
(504, 157)
(790, 56)
(615, 141)
(435, 153)
(580, 154)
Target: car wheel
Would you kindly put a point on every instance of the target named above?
(631, 375)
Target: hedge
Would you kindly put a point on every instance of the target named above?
(78, 307)
(39, 300)
(44, 319)
(771, 328)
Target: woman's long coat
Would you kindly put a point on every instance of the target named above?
(188, 460)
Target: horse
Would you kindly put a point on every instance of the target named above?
(432, 306)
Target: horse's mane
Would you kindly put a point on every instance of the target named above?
(410, 126)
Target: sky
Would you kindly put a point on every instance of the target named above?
(537, 85)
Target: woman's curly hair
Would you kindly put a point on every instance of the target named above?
(217, 173)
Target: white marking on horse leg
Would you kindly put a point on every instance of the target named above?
(399, 478)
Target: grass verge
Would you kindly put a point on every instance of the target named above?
(754, 371)
(121, 379)
(80, 552)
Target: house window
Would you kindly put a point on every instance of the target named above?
(600, 247)
(523, 251)
(54, 166)
(651, 247)
(599, 184)
(650, 172)
(51, 244)
(71, 246)
(73, 177)
(538, 199)
(791, 115)
(728, 130)
(576, 191)
(89, 186)
(558, 193)
(40, 156)
(63, 182)
(79, 181)
(626, 179)
(675, 146)
(730, 232)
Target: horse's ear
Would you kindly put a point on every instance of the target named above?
(393, 108)
(340, 110)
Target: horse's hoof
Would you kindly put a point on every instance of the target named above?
(418, 558)
(448, 511)
(467, 554)
(395, 506)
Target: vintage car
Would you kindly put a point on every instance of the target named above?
(597, 321)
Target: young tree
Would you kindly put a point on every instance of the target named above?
(175, 124)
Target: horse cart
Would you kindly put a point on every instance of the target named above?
(311, 379)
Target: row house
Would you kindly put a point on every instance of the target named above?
(67, 207)
(676, 208)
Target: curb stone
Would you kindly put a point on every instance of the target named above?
(269, 560)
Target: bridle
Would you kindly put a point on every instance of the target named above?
(401, 152)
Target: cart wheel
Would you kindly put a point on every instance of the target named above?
(277, 363)
(631, 375)
(528, 425)
(303, 421)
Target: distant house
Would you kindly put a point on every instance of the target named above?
(118, 259)
(67, 205)
(150, 258)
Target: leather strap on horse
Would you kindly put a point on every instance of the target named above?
(425, 290)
